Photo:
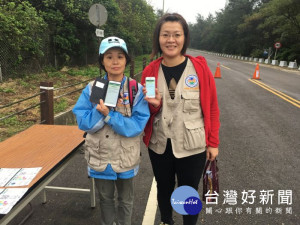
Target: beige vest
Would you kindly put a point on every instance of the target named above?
(179, 119)
(105, 146)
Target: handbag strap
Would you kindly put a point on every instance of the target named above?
(207, 166)
(213, 166)
(215, 177)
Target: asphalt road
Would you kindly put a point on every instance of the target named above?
(260, 140)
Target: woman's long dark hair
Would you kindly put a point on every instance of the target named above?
(169, 17)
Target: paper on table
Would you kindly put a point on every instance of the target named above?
(21, 177)
(6, 174)
(9, 197)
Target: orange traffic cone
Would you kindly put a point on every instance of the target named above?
(256, 75)
(218, 72)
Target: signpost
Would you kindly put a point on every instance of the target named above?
(98, 17)
(99, 33)
(277, 45)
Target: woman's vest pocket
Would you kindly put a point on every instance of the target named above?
(130, 155)
(154, 135)
(194, 135)
(191, 101)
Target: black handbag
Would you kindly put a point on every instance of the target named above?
(210, 181)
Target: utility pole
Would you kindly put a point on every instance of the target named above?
(163, 9)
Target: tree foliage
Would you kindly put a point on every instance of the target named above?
(21, 29)
(246, 27)
(279, 21)
(67, 31)
(58, 32)
(137, 23)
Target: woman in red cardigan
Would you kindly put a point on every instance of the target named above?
(183, 129)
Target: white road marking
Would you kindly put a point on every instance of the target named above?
(150, 212)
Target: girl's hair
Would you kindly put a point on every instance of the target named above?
(101, 56)
(169, 17)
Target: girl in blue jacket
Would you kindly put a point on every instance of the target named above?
(112, 145)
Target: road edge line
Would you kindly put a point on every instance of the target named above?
(150, 211)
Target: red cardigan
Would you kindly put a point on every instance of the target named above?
(208, 97)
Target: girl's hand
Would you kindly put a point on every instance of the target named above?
(102, 108)
(153, 101)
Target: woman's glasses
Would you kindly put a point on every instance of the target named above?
(167, 35)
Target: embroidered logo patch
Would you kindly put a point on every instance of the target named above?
(191, 81)
(125, 98)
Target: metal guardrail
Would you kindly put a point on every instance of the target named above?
(46, 101)
(47, 98)
(22, 100)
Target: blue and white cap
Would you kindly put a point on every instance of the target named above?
(112, 42)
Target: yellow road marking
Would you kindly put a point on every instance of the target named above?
(226, 67)
(279, 92)
(275, 92)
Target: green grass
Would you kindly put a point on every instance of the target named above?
(7, 90)
(48, 69)
(10, 121)
(56, 74)
(90, 71)
(13, 125)
(60, 105)
(25, 84)
(30, 77)
(12, 130)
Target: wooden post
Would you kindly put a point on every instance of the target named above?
(144, 62)
(132, 68)
(47, 111)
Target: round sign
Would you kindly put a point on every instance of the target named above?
(97, 15)
(185, 200)
(277, 45)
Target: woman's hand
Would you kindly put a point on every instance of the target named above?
(153, 101)
(211, 153)
(102, 108)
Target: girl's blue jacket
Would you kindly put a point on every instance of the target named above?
(89, 119)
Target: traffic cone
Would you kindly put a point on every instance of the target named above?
(256, 74)
(218, 72)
